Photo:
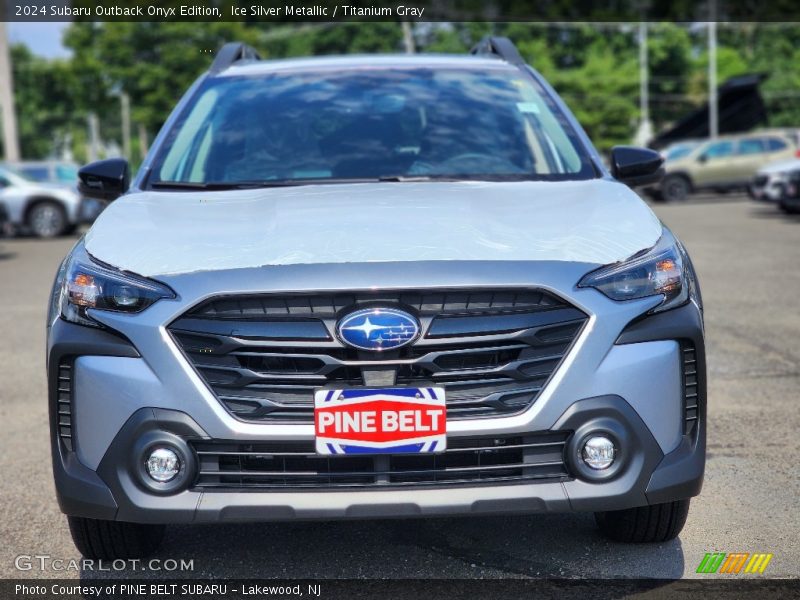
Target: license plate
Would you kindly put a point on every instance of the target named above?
(380, 421)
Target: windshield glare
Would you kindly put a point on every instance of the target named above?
(366, 124)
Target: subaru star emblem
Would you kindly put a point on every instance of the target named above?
(378, 329)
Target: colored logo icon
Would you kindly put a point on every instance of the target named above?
(734, 563)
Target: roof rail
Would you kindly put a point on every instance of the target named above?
(501, 47)
(230, 53)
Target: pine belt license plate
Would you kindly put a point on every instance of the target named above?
(380, 421)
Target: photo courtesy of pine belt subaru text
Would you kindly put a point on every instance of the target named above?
(374, 287)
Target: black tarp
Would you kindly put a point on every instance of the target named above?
(741, 108)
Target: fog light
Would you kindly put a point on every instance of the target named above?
(163, 465)
(598, 452)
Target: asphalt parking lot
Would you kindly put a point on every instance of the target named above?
(747, 257)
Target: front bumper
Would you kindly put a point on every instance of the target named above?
(623, 374)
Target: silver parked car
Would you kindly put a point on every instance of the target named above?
(769, 183)
(45, 210)
(63, 174)
(369, 287)
(59, 172)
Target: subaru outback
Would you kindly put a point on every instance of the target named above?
(374, 287)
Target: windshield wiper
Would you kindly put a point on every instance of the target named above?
(243, 185)
(192, 185)
(405, 178)
(224, 185)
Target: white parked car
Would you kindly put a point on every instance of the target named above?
(45, 210)
(769, 183)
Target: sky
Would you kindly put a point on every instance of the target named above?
(42, 38)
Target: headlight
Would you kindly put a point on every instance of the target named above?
(87, 284)
(662, 270)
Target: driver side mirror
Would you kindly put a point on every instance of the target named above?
(105, 179)
(702, 158)
(636, 166)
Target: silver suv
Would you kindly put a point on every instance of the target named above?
(42, 209)
(368, 287)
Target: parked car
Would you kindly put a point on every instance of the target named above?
(414, 290)
(45, 210)
(769, 183)
(49, 171)
(724, 164)
(680, 149)
(63, 174)
(790, 200)
(3, 218)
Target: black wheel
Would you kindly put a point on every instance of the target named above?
(654, 194)
(789, 210)
(645, 524)
(47, 219)
(675, 187)
(112, 539)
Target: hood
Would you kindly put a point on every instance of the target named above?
(782, 166)
(165, 233)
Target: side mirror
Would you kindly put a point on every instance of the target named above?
(702, 158)
(636, 166)
(105, 179)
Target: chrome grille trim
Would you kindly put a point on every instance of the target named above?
(467, 347)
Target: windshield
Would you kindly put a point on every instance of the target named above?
(12, 174)
(370, 124)
(679, 150)
(35, 173)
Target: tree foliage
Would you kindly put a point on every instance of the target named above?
(593, 66)
(46, 97)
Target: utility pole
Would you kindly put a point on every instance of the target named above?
(645, 132)
(94, 137)
(143, 144)
(408, 37)
(10, 138)
(125, 107)
(713, 102)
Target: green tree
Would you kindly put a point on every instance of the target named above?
(154, 63)
(45, 103)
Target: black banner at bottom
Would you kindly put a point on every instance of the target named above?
(392, 589)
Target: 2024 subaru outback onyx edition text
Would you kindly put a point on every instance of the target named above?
(384, 286)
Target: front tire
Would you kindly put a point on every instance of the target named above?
(110, 540)
(47, 219)
(675, 188)
(789, 210)
(644, 524)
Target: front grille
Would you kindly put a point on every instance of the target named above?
(271, 465)
(429, 303)
(64, 403)
(691, 402)
(264, 356)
